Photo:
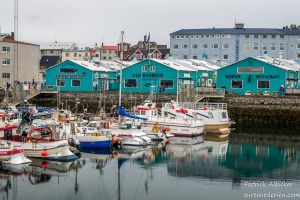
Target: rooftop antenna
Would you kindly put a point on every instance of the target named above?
(16, 45)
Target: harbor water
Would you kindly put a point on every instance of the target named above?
(246, 166)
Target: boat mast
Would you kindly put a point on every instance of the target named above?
(120, 86)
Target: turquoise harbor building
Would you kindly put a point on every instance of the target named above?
(152, 75)
(80, 76)
(261, 74)
(169, 76)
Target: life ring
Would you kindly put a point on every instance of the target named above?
(155, 128)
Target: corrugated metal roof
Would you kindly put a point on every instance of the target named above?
(276, 62)
(173, 65)
(236, 31)
(91, 66)
(205, 64)
(86, 64)
(191, 64)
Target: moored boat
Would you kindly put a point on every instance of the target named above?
(40, 143)
(12, 155)
(179, 123)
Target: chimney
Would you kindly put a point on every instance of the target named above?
(239, 25)
(145, 37)
(102, 44)
(12, 35)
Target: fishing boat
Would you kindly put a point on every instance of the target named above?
(12, 155)
(179, 123)
(120, 133)
(75, 131)
(41, 143)
(214, 115)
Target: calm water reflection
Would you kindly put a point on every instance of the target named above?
(245, 165)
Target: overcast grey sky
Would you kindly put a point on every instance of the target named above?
(93, 21)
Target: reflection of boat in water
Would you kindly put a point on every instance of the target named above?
(100, 156)
(41, 166)
(202, 158)
(130, 152)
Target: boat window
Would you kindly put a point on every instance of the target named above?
(224, 115)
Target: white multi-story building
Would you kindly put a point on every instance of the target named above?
(234, 44)
(19, 61)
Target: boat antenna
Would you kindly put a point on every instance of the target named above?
(121, 66)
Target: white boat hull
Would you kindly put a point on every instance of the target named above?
(57, 151)
(14, 156)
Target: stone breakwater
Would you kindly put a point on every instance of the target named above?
(242, 109)
(282, 111)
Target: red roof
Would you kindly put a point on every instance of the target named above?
(115, 48)
(17, 42)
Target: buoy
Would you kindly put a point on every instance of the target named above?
(44, 153)
(168, 129)
(204, 108)
(115, 139)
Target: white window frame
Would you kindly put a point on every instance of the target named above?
(215, 47)
(185, 46)
(215, 57)
(297, 46)
(247, 46)
(6, 62)
(194, 46)
(273, 47)
(5, 49)
(223, 36)
(152, 68)
(255, 46)
(175, 46)
(218, 36)
(225, 58)
(264, 46)
(75, 85)
(281, 47)
(203, 46)
(224, 46)
(144, 68)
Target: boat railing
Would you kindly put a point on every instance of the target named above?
(203, 105)
(176, 118)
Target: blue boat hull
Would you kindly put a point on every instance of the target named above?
(100, 144)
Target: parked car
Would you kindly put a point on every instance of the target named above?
(266, 93)
(248, 93)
